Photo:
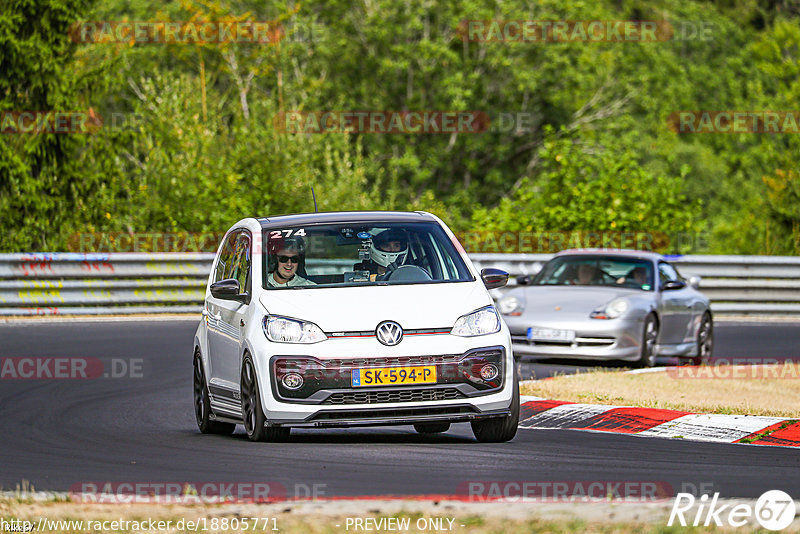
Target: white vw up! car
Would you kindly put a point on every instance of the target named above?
(351, 318)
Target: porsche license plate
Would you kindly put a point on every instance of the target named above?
(393, 376)
(551, 334)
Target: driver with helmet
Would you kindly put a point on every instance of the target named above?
(287, 257)
(389, 250)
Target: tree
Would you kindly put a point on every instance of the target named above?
(594, 188)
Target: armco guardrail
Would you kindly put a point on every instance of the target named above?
(128, 283)
(99, 284)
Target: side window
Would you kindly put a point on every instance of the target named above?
(667, 272)
(226, 257)
(241, 264)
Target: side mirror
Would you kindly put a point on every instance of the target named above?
(671, 285)
(694, 281)
(494, 278)
(228, 289)
(524, 280)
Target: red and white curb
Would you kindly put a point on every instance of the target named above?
(541, 413)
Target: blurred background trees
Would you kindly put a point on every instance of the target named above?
(188, 141)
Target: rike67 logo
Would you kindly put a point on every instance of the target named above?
(774, 510)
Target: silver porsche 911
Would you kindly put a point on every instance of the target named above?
(611, 305)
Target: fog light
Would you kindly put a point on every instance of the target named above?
(292, 381)
(489, 371)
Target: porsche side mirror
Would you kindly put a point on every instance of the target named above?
(672, 285)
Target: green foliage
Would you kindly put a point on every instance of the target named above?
(200, 149)
(39, 184)
(594, 188)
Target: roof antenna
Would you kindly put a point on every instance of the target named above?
(315, 199)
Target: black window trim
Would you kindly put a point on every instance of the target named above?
(238, 230)
(273, 225)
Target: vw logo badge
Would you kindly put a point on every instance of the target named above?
(389, 333)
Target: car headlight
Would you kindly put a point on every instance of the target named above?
(511, 305)
(612, 310)
(286, 330)
(478, 323)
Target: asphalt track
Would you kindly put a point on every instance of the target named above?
(59, 433)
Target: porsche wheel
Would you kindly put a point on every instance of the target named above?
(705, 341)
(647, 356)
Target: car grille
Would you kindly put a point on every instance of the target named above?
(388, 362)
(598, 342)
(403, 395)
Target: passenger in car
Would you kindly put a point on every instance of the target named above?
(587, 274)
(639, 276)
(287, 256)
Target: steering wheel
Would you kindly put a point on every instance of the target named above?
(409, 273)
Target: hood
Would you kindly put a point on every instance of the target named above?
(361, 308)
(572, 299)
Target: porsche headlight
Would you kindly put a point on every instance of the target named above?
(511, 305)
(285, 330)
(478, 323)
(612, 310)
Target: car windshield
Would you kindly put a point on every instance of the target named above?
(346, 255)
(597, 271)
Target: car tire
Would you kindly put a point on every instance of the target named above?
(705, 341)
(252, 413)
(202, 403)
(499, 429)
(647, 354)
(431, 428)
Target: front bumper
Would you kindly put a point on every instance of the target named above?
(392, 416)
(333, 402)
(613, 339)
(329, 381)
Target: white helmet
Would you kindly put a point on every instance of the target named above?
(380, 251)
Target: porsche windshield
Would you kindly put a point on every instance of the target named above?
(597, 271)
(332, 255)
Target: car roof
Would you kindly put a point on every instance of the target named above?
(345, 217)
(621, 252)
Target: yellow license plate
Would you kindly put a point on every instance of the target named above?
(393, 376)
